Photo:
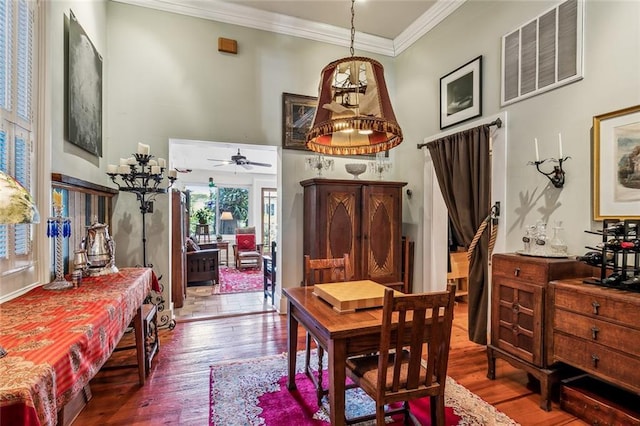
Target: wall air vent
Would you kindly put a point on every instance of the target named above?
(543, 54)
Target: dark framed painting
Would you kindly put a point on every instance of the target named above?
(616, 164)
(461, 94)
(297, 115)
(84, 97)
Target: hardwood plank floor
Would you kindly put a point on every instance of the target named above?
(177, 389)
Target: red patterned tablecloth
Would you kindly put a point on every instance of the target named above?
(58, 340)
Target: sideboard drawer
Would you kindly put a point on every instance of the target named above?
(517, 268)
(597, 302)
(598, 360)
(596, 330)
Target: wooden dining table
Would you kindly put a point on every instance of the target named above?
(341, 335)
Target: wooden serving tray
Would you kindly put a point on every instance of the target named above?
(351, 295)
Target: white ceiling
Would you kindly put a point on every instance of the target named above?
(383, 18)
(196, 155)
(386, 27)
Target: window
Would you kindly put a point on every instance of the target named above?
(17, 121)
(227, 208)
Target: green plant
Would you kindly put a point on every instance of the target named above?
(203, 215)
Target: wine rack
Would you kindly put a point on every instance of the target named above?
(620, 255)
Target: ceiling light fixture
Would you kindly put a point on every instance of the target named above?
(353, 96)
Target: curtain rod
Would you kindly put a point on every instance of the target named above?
(497, 122)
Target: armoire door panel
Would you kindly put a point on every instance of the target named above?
(341, 226)
(381, 222)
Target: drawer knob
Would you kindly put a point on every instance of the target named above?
(594, 360)
(594, 332)
(516, 272)
(595, 305)
(516, 307)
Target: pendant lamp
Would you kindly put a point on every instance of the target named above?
(354, 113)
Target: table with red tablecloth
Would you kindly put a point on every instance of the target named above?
(57, 340)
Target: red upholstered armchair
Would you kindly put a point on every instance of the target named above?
(245, 251)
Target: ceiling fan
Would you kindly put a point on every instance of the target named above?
(239, 160)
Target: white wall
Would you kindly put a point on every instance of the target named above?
(612, 67)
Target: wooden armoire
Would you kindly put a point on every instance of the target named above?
(358, 217)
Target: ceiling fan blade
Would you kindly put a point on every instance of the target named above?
(222, 161)
(246, 165)
(253, 163)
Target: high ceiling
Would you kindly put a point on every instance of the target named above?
(386, 27)
(383, 18)
(199, 155)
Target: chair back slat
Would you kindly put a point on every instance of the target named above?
(407, 319)
(318, 271)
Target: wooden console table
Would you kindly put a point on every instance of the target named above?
(56, 341)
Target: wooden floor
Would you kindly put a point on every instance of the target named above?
(177, 389)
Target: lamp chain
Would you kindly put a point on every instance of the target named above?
(353, 28)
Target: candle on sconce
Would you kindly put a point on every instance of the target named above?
(143, 149)
(124, 161)
(162, 162)
(57, 199)
(535, 140)
(172, 174)
(112, 168)
(153, 163)
(132, 161)
(155, 170)
(124, 169)
(560, 143)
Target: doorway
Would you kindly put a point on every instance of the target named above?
(236, 180)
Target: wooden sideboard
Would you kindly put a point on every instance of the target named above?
(596, 329)
(519, 317)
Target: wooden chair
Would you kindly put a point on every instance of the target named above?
(202, 263)
(269, 270)
(459, 274)
(245, 251)
(390, 378)
(318, 271)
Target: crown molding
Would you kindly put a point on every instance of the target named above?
(282, 24)
(425, 23)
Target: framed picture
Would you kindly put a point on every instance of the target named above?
(616, 163)
(461, 94)
(84, 125)
(297, 115)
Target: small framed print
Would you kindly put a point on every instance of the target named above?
(461, 94)
(297, 115)
(616, 164)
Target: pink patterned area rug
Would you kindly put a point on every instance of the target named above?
(254, 392)
(234, 281)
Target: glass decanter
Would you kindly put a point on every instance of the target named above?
(541, 246)
(557, 244)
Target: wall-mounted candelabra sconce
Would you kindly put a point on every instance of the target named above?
(556, 176)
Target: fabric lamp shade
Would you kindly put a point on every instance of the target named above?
(226, 216)
(354, 114)
(16, 203)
